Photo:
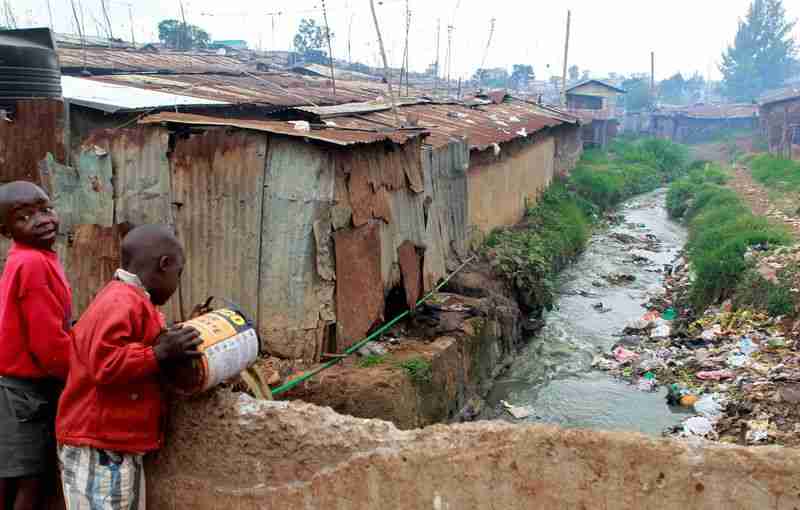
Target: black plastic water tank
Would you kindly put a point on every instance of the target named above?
(29, 64)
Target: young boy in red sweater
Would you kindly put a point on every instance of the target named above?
(35, 314)
(111, 412)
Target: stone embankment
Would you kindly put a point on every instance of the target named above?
(230, 451)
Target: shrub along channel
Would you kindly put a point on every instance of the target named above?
(722, 230)
(555, 231)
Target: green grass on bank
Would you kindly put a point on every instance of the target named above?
(721, 229)
(556, 230)
(776, 173)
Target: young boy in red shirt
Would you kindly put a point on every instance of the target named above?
(35, 313)
(111, 412)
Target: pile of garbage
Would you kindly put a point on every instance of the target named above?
(736, 373)
(780, 262)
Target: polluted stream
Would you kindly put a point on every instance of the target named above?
(553, 379)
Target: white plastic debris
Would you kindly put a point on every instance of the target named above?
(496, 148)
(709, 406)
(699, 426)
(518, 412)
(522, 132)
(661, 332)
(300, 125)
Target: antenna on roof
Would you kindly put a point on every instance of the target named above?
(130, 15)
(109, 30)
(330, 47)
(436, 73)
(486, 51)
(50, 13)
(449, 54)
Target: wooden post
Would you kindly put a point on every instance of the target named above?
(385, 64)
(566, 59)
(653, 75)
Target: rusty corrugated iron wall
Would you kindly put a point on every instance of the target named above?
(29, 131)
(217, 182)
(296, 269)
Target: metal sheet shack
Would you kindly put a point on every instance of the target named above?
(780, 121)
(515, 150)
(702, 123)
(317, 220)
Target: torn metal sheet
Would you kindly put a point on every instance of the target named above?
(411, 269)
(324, 242)
(142, 175)
(359, 285)
(294, 297)
(82, 195)
(90, 258)
(217, 185)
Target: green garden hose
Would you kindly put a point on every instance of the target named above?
(358, 345)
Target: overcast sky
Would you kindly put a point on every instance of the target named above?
(610, 36)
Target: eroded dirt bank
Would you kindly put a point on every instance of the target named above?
(230, 451)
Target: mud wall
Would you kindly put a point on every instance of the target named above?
(230, 451)
(501, 185)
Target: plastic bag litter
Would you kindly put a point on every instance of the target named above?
(661, 332)
(698, 426)
(737, 360)
(638, 325)
(518, 412)
(709, 406)
(715, 375)
(712, 333)
(623, 355)
(758, 431)
(747, 346)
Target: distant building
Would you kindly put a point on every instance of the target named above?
(595, 103)
(233, 44)
(780, 121)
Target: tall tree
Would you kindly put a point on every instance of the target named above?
(763, 52)
(182, 36)
(574, 73)
(521, 75)
(673, 90)
(310, 37)
(638, 93)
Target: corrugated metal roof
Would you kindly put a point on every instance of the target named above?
(113, 98)
(483, 126)
(711, 111)
(327, 112)
(784, 94)
(280, 89)
(599, 82)
(354, 132)
(120, 60)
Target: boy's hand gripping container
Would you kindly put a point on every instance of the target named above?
(230, 346)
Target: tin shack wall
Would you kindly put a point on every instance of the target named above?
(217, 182)
(502, 186)
(30, 129)
(780, 123)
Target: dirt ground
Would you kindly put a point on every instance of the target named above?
(780, 207)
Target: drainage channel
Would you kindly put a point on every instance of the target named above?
(552, 378)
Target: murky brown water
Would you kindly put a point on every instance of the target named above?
(553, 376)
